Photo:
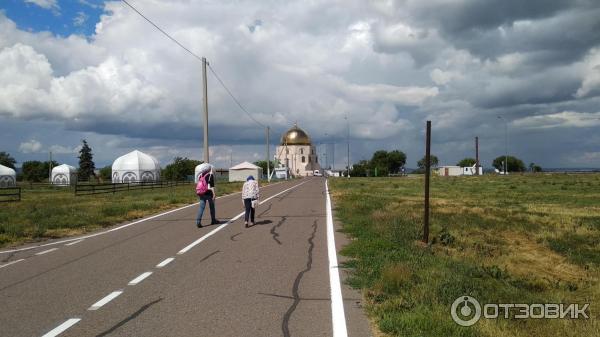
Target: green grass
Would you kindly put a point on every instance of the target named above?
(47, 212)
(515, 239)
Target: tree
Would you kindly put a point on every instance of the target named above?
(360, 169)
(106, 173)
(7, 160)
(396, 161)
(467, 162)
(37, 171)
(535, 168)
(180, 168)
(433, 161)
(380, 163)
(86, 162)
(263, 164)
(514, 164)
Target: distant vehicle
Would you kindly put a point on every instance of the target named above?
(317, 173)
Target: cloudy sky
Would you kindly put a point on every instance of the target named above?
(95, 70)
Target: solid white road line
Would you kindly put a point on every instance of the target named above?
(61, 328)
(117, 228)
(74, 242)
(13, 262)
(46, 251)
(165, 262)
(193, 244)
(338, 318)
(139, 278)
(105, 300)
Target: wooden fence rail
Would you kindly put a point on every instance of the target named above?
(10, 194)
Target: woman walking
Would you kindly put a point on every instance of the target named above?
(205, 189)
(250, 198)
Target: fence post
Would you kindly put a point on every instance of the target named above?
(427, 173)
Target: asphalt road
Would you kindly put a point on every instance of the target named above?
(162, 276)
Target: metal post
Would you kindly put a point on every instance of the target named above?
(205, 101)
(427, 172)
(50, 169)
(505, 144)
(268, 157)
(348, 141)
(476, 155)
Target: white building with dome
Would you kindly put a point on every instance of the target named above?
(297, 154)
(135, 166)
(64, 175)
(8, 177)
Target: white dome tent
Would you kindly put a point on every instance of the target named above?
(64, 175)
(136, 166)
(8, 177)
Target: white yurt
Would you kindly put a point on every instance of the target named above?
(135, 166)
(200, 170)
(241, 171)
(8, 177)
(64, 175)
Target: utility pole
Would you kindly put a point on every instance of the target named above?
(268, 157)
(427, 172)
(50, 169)
(476, 155)
(505, 144)
(348, 141)
(205, 99)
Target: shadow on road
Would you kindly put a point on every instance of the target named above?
(133, 316)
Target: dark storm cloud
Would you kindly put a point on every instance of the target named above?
(172, 131)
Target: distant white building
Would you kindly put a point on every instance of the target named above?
(135, 166)
(449, 171)
(8, 177)
(241, 171)
(64, 175)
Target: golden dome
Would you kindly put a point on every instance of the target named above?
(295, 136)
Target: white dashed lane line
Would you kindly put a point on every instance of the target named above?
(13, 262)
(139, 278)
(105, 300)
(61, 328)
(74, 242)
(165, 262)
(46, 251)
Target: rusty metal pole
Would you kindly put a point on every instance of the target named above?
(427, 173)
(476, 155)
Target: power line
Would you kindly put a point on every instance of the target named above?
(199, 58)
(233, 97)
(162, 31)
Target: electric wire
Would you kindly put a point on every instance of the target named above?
(162, 31)
(199, 58)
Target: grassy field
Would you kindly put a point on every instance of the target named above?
(52, 212)
(515, 239)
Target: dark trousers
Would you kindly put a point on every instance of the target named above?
(249, 210)
(211, 205)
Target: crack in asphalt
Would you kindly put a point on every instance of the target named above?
(131, 317)
(274, 233)
(265, 211)
(210, 255)
(233, 236)
(286, 318)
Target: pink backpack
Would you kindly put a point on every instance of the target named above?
(202, 185)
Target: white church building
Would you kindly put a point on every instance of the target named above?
(297, 154)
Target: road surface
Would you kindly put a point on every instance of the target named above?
(162, 276)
